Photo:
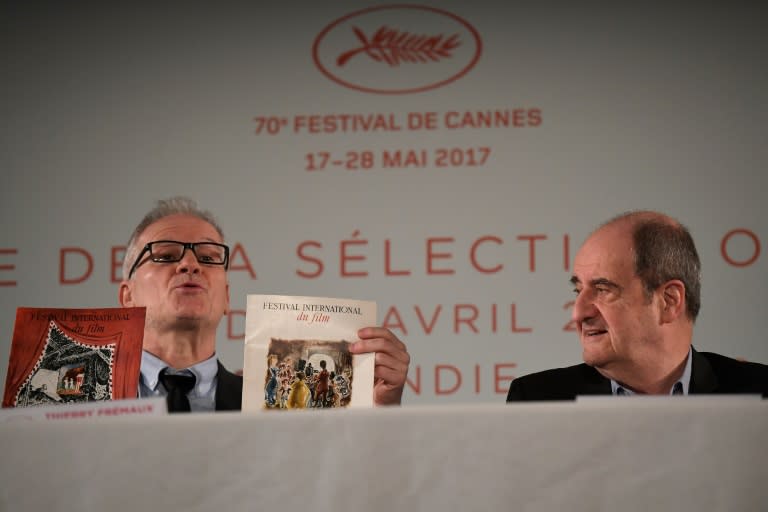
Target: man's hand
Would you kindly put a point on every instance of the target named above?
(391, 363)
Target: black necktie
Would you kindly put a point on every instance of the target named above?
(177, 385)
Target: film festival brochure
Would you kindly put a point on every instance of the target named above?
(73, 356)
(296, 353)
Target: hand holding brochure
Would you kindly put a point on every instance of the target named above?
(297, 355)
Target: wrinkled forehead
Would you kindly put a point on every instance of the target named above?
(180, 227)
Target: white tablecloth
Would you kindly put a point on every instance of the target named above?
(623, 454)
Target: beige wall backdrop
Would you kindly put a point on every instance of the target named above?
(444, 159)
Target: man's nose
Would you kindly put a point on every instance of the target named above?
(188, 263)
(583, 307)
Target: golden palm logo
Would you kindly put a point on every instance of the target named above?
(393, 47)
(397, 49)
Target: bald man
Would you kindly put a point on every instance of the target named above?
(637, 285)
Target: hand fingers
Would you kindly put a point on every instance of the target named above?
(391, 371)
(382, 346)
(385, 360)
(378, 339)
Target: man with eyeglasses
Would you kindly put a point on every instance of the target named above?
(176, 266)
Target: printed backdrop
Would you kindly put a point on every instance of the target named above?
(445, 159)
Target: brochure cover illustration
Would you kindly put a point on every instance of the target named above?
(296, 353)
(64, 355)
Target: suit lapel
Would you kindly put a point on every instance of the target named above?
(592, 383)
(703, 378)
(229, 390)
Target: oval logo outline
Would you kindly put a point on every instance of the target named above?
(351, 85)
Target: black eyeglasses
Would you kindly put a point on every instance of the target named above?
(171, 251)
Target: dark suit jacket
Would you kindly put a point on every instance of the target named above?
(229, 390)
(710, 374)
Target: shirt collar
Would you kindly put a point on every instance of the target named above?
(685, 380)
(204, 371)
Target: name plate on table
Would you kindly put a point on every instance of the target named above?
(154, 406)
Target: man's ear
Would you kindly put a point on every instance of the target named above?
(673, 300)
(226, 305)
(125, 294)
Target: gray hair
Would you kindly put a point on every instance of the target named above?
(664, 250)
(178, 205)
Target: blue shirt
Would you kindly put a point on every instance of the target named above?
(683, 383)
(202, 398)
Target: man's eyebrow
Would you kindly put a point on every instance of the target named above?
(601, 281)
